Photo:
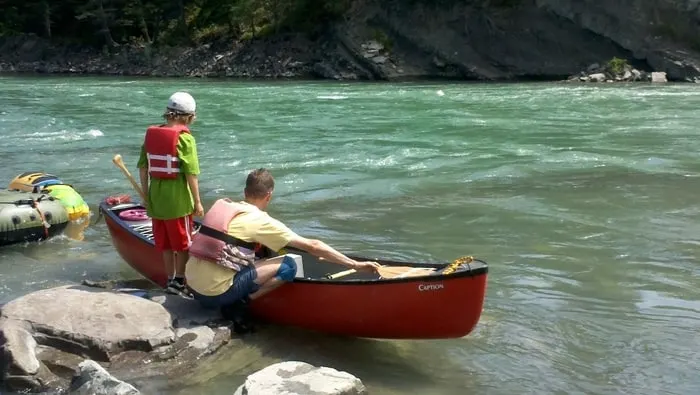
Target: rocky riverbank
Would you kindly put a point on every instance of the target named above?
(68, 338)
(617, 70)
(393, 40)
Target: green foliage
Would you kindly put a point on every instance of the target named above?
(164, 22)
(381, 37)
(617, 65)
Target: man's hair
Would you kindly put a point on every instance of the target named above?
(259, 183)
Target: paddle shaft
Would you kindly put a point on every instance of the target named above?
(117, 160)
(385, 271)
(341, 274)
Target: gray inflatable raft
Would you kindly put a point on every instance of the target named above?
(23, 217)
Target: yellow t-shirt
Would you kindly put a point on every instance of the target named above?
(253, 225)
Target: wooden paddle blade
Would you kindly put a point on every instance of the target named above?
(117, 160)
(404, 271)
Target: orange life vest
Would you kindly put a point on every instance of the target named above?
(161, 150)
(214, 244)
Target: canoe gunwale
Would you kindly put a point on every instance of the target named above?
(473, 269)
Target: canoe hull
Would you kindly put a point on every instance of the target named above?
(428, 307)
(402, 310)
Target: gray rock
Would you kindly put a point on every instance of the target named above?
(199, 337)
(373, 46)
(45, 335)
(101, 323)
(597, 77)
(93, 379)
(379, 59)
(324, 70)
(300, 378)
(658, 76)
(636, 75)
(19, 347)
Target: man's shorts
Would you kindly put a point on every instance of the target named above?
(173, 234)
(243, 285)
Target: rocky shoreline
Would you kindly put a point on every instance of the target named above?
(617, 70)
(281, 59)
(543, 40)
(79, 338)
(291, 56)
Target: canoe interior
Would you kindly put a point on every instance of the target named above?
(315, 270)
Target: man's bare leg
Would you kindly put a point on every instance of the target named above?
(267, 270)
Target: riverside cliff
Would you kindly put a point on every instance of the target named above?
(488, 40)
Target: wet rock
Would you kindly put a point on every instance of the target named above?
(372, 47)
(93, 379)
(636, 75)
(626, 76)
(658, 76)
(45, 335)
(300, 378)
(597, 77)
(324, 70)
(438, 62)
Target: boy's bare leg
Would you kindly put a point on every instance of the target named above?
(169, 261)
(180, 263)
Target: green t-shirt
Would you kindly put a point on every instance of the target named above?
(172, 198)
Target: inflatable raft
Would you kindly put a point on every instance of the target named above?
(37, 182)
(26, 217)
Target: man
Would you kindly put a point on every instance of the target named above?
(220, 274)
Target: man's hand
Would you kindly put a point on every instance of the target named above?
(367, 267)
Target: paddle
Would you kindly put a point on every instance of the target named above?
(389, 272)
(117, 160)
(408, 271)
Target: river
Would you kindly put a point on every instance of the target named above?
(584, 200)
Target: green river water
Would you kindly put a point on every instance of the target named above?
(582, 198)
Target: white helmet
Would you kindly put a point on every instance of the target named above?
(182, 102)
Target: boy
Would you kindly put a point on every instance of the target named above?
(169, 161)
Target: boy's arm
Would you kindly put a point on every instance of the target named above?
(194, 187)
(143, 171)
(189, 165)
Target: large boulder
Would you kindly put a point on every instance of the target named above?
(293, 377)
(45, 335)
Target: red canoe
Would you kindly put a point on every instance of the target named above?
(438, 305)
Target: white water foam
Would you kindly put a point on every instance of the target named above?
(332, 97)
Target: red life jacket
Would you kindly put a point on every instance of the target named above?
(161, 150)
(215, 244)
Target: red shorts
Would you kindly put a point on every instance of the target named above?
(173, 234)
